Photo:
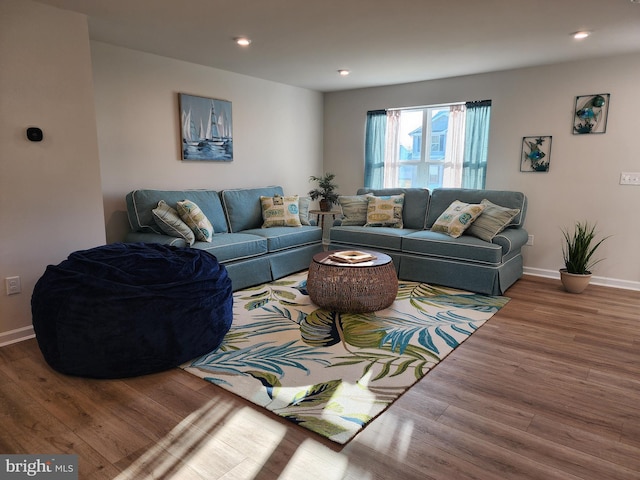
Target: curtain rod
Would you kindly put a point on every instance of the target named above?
(427, 106)
(477, 103)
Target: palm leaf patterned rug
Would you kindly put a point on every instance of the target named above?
(333, 373)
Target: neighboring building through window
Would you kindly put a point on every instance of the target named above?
(422, 164)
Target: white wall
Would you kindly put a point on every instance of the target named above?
(277, 129)
(67, 193)
(50, 198)
(585, 169)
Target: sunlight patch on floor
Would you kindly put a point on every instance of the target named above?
(312, 456)
(206, 444)
(389, 434)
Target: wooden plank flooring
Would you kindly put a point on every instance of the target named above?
(549, 388)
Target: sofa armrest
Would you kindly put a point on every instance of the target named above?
(511, 239)
(137, 237)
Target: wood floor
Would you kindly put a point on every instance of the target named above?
(549, 388)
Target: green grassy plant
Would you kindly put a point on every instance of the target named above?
(579, 248)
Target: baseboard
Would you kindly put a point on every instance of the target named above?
(17, 335)
(604, 281)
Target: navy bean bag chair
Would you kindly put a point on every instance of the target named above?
(128, 309)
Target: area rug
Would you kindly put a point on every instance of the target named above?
(333, 373)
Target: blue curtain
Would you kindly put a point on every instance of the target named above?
(476, 144)
(374, 148)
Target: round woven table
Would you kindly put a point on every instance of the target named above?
(352, 287)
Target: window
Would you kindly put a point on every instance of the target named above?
(437, 142)
(422, 164)
(428, 147)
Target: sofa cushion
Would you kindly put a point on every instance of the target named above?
(385, 211)
(354, 209)
(169, 221)
(416, 202)
(197, 221)
(281, 238)
(492, 221)
(465, 248)
(229, 247)
(457, 218)
(441, 198)
(385, 238)
(140, 204)
(243, 208)
(280, 211)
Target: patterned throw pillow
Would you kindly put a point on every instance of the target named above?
(170, 223)
(278, 211)
(493, 220)
(354, 209)
(385, 211)
(191, 214)
(457, 218)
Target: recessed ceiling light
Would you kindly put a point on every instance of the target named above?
(581, 34)
(343, 72)
(242, 41)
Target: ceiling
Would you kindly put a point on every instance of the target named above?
(304, 42)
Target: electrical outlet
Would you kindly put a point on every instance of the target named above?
(13, 285)
(630, 178)
(530, 240)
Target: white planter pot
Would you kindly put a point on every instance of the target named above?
(573, 282)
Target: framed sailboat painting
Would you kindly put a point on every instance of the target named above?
(206, 129)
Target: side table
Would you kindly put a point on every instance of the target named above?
(320, 214)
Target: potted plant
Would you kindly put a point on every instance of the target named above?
(325, 191)
(577, 253)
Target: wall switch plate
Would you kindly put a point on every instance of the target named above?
(630, 178)
(530, 240)
(13, 285)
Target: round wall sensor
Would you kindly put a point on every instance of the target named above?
(34, 134)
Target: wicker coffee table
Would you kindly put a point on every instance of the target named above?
(352, 287)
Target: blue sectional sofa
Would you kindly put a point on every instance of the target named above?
(250, 253)
(419, 254)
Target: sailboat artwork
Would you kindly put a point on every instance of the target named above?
(206, 127)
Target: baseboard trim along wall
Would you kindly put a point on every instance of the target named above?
(604, 281)
(17, 335)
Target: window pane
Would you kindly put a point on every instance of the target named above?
(435, 176)
(439, 128)
(410, 132)
(407, 176)
(422, 168)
